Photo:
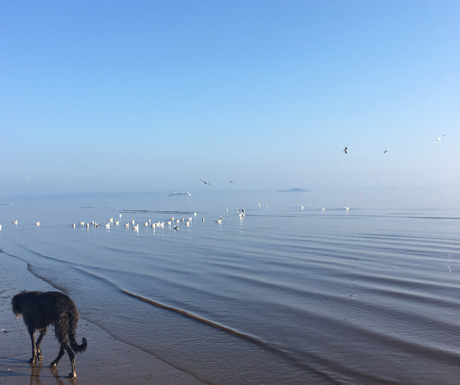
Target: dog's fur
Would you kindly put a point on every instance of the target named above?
(39, 310)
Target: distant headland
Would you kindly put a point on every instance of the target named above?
(184, 193)
(295, 189)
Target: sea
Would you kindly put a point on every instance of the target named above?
(302, 287)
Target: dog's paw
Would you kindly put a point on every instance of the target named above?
(40, 356)
(53, 365)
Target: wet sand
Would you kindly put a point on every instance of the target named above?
(106, 360)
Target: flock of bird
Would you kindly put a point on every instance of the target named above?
(172, 222)
(111, 222)
(345, 150)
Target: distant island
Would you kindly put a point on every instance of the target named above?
(295, 189)
(185, 193)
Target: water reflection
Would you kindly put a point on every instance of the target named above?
(36, 373)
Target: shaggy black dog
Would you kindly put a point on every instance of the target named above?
(39, 310)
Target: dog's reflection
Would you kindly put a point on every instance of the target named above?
(37, 369)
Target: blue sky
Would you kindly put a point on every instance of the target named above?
(156, 95)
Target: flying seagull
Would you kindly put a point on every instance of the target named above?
(385, 151)
(201, 180)
(437, 140)
(345, 150)
(230, 181)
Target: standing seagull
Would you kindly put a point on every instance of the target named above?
(201, 180)
(437, 140)
(345, 150)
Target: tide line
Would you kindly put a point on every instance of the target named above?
(236, 333)
(195, 317)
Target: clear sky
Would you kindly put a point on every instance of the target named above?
(156, 95)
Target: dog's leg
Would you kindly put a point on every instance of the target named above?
(71, 354)
(60, 354)
(33, 360)
(39, 341)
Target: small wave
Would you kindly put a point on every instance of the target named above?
(143, 211)
(35, 273)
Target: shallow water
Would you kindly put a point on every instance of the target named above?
(283, 295)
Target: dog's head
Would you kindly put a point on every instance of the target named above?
(16, 304)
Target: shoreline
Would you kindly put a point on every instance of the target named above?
(107, 360)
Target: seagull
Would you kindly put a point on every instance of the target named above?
(230, 181)
(385, 151)
(438, 139)
(201, 180)
(345, 150)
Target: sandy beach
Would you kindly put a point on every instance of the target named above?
(106, 360)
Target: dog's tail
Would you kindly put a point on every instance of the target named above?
(78, 348)
(73, 318)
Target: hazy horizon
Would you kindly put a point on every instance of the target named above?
(400, 198)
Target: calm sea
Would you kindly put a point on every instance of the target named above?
(283, 295)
